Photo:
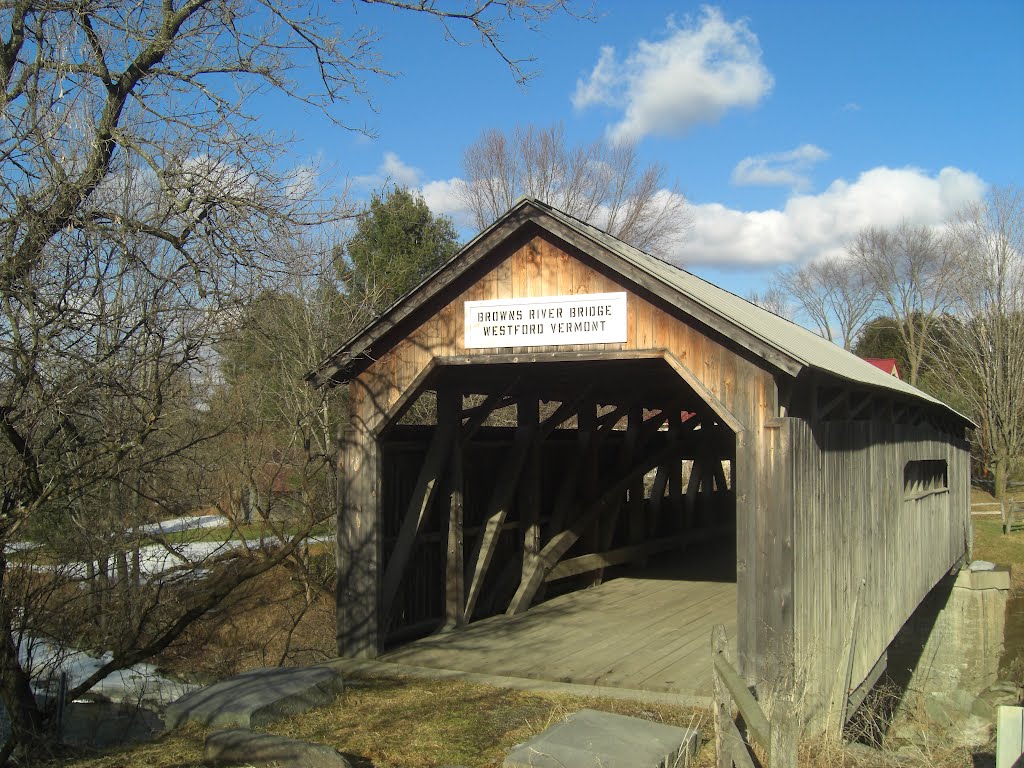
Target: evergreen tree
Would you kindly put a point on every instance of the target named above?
(398, 242)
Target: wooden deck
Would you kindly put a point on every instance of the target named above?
(648, 634)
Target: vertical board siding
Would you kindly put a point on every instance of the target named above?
(852, 523)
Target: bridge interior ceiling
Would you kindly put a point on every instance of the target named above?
(649, 383)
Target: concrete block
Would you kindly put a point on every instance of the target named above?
(240, 746)
(997, 578)
(1010, 738)
(257, 697)
(590, 738)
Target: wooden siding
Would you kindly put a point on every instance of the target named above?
(852, 523)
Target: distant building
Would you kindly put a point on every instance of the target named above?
(887, 364)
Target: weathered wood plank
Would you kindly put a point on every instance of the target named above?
(631, 553)
(499, 505)
(427, 486)
(562, 541)
(754, 717)
(455, 589)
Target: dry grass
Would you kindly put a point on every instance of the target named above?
(267, 623)
(400, 723)
(990, 543)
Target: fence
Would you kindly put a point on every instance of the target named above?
(777, 738)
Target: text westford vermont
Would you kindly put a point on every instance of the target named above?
(594, 318)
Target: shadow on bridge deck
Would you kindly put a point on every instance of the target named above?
(646, 631)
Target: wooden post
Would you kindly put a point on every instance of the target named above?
(722, 704)
(784, 748)
(530, 497)
(611, 519)
(358, 545)
(454, 589)
(449, 407)
(501, 501)
(730, 748)
(561, 542)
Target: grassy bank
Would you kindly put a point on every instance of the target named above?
(392, 723)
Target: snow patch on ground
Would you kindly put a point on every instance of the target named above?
(138, 684)
(186, 523)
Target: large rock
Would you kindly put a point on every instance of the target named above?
(590, 738)
(257, 697)
(239, 746)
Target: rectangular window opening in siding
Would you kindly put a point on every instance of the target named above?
(925, 478)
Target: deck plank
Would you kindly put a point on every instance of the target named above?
(639, 633)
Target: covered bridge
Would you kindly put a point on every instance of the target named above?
(582, 409)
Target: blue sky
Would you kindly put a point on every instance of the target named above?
(788, 126)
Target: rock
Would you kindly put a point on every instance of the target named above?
(240, 746)
(1005, 686)
(590, 738)
(1004, 695)
(257, 697)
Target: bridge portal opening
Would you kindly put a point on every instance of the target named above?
(507, 484)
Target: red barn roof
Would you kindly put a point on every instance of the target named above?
(887, 364)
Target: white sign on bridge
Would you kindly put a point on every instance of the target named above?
(589, 318)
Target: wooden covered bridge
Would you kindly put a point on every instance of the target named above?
(553, 410)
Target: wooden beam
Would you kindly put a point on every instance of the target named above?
(839, 709)
(636, 417)
(865, 402)
(584, 563)
(858, 694)
(475, 417)
(656, 502)
(692, 489)
(454, 569)
(833, 404)
(530, 493)
(566, 496)
(753, 716)
(497, 508)
(730, 748)
(719, 471)
(562, 541)
(424, 492)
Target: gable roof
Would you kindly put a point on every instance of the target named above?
(780, 342)
(887, 364)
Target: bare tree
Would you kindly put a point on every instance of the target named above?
(983, 361)
(775, 299)
(835, 293)
(600, 183)
(914, 273)
(141, 205)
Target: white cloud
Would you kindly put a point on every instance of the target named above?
(441, 195)
(851, 106)
(699, 71)
(444, 196)
(779, 169)
(809, 226)
(392, 170)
